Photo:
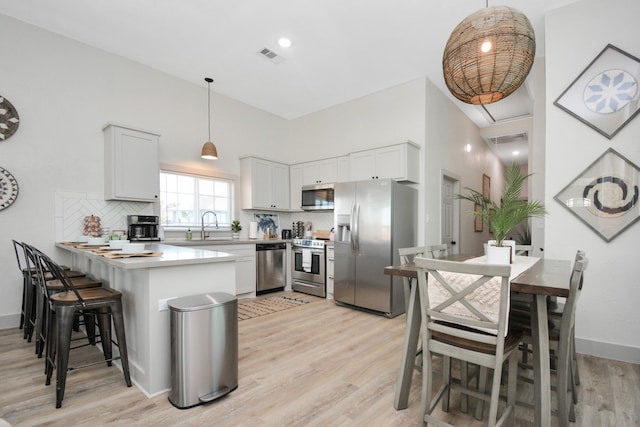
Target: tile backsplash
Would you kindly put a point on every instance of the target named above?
(318, 220)
(71, 208)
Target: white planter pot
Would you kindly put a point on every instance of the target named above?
(235, 235)
(500, 254)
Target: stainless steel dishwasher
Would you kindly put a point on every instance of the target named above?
(270, 267)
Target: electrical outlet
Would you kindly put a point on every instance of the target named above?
(163, 304)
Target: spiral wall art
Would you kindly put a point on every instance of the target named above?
(605, 195)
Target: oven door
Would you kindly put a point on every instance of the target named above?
(314, 272)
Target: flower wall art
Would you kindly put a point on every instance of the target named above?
(605, 96)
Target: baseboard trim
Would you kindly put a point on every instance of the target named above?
(608, 350)
(8, 321)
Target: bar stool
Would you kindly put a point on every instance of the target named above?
(29, 301)
(105, 303)
(17, 247)
(42, 284)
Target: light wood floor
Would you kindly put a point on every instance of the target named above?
(314, 365)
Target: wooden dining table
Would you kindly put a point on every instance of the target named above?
(543, 279)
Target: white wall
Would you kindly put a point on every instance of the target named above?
(387, 117)
(607, 317)
(448, 131)
(65, 92)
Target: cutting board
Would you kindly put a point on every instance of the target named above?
(112, 255)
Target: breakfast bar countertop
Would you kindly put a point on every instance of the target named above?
(147, 282)
(171, 256)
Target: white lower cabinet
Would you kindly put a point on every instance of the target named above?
(330, 259)
(245, 264)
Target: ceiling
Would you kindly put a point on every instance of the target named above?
(341, 50)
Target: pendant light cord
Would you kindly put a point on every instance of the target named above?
(209, 80)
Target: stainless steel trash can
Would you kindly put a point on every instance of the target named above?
(204, 348)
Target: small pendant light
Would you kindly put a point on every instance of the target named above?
(209, 150)
(489, 55)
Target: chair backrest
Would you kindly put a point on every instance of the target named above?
(408, 254)
(575, 289)
(45, 264)
(438, 251)
(524, 250)
(465, 300)
(20, 254)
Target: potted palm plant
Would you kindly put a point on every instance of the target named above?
(235, 229)
(503, 217)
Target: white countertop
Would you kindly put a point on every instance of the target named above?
(206, 242)
(171, 255)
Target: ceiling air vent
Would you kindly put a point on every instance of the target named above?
(271, 55)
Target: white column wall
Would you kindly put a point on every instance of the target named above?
(607, 316)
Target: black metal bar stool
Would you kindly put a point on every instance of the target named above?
(29, 313)
(103, 302)
(42, 284)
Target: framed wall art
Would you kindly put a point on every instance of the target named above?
(605, 96)
(486, 186)
(605, 195)
(265, 222)
(477, 220)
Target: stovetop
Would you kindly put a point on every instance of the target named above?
(308, 243)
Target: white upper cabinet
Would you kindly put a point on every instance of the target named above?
(264, 184)
(344, 169)
(295, 183)
(132, 170)
(399, 162)
(320, 172)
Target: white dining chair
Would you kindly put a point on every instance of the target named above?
(524, 250)
(438, 251)
(457, 325)
(406, 256)
(562, 340)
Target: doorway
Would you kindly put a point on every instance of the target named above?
(450, 212)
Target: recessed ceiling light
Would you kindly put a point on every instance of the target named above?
(515, 153)
(284, 42)
(467, 148)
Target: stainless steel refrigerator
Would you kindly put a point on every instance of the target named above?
(372, 220)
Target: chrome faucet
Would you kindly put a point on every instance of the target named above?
(204, 235)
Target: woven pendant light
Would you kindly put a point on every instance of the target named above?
(209, 150)
(489, 55)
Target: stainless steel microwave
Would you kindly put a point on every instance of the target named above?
(317, 197)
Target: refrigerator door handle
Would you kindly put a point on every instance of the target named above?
(352, 229)
(357, 232)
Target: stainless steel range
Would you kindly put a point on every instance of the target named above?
(308, 267)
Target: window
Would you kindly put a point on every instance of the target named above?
(184, 198)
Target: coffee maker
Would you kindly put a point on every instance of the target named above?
(143, 227)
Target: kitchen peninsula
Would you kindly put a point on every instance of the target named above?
(146, 284)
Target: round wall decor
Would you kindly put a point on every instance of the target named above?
(8, 189)
(9, 120)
